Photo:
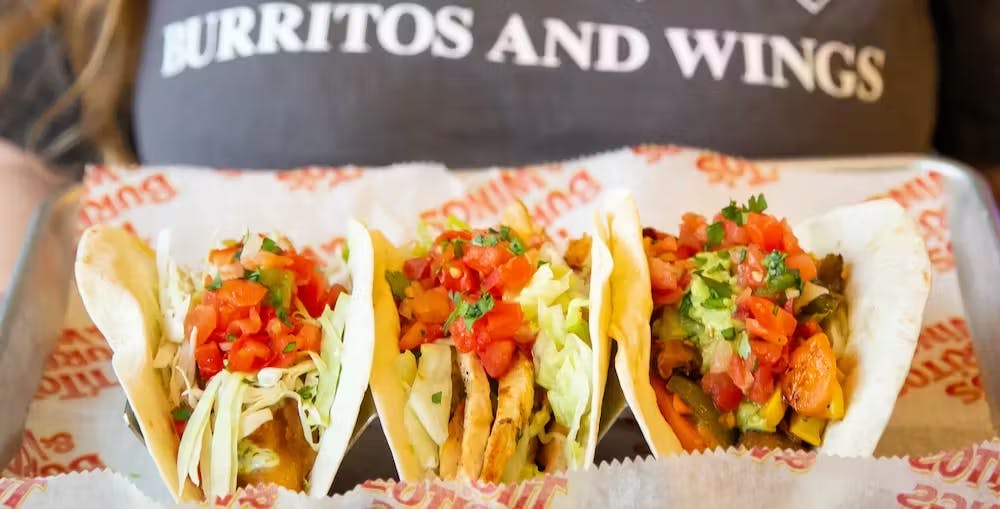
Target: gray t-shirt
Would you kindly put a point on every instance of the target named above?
(278, 84)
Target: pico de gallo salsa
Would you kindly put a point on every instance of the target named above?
(257, 311)
(745, 328)
(464, 289)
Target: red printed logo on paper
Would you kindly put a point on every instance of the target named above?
(733, 171)
(13, 492)
(796, 461)
(229, 173)
(945, 359)
(250, 497)
(314, 178)
(486, 200)
(922, 197)
(50, 455)
(654, 153)
(99, 208)
(977, 466)
(79, 366)
(532, 494)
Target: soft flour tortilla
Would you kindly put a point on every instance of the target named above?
(390, 398)
(117, 280)
(887, 289)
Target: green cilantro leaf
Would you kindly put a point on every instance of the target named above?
(716, 232)
(541, 262)
(270, 246)
(305, 392)
(729, 333)
(477, 310)
(436, 398)
(252, 276)
(457, 245)
(516, 247)
(743, 345)
(181, 413)
(397, 283)
(733, 212)
(215, 284)
(779, 277)
(757, 203)
(743, 255)
(289, 348)
(481, 240)
(283, 316)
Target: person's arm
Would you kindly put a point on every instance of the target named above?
(24, 184)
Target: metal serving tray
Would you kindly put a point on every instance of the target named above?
(32, 313)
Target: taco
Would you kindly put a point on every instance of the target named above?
(740, 331)
(254, 373)
(491, 352)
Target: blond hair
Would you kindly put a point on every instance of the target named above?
(103, 40)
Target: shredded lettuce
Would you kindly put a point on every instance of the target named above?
(191, 440)
(519, 467)
(554, 299)
(430, 397)
(333, 323)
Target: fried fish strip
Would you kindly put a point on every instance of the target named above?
(478, 415)
(553, 456)
(515, 398)
(451, 448)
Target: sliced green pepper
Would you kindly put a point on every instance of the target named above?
(279, 283)
(702, 407)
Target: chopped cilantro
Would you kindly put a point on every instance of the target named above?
(488, 240)
(733, 212)
(757, 203)
(436, 398)
(729, 333)
(516, 247)
(305, 392)
(457, 245)
(743, 255)
(719, 289)
(230, 337)
(469, 312)
(779, 277)
(397, 283)
(715, 232)
(215, 284)
(505, 233)
(774, 309)
(289, 348)
(283, 316)
(541, 262)
(252, 275)
(270, 246)
(743, 345)
(181, 413)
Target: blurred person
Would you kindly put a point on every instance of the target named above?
(252, 84)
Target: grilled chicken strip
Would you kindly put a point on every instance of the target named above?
(478, 415)
(516, 394)
(452, 447)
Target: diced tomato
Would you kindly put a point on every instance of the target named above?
(465, 339)
(692, 236)
(249, 325)
(333, 294)
(204, 317)
(724, 393)
(491, 284)
(280, 343)
(309, 338)
(485, 259)
(209, 359)
(503, 321)
(766, 351)
(268, 260)
(179, 427)
(524, 335)
(763, 384)
(457, 277)
(248, 354)
(790, 241)
(417, 268)
(739, 372)
(242, 293)
(770, 321)
(516, 273)
(304, 268)
(276, 328)
(313, 297)
(432, 306)
(735, 236)
(497, 357)
(804, 264)
(765, 231)
(808, 329)
(224, 256)
(414, 336)
(751, 273)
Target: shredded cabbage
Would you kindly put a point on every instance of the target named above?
(406, 366)
(555, 298)
(333, 323)
(430, 397)
(225, 436)
(423, 445)
(191, 440)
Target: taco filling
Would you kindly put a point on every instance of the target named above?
(252, 358)
(747, 329)
(495, 355)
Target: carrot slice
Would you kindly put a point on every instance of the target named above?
(685, 430)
